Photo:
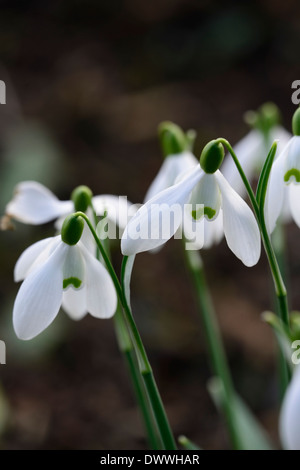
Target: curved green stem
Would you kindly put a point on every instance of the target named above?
(259, 212)
(144, 364)
(279, 285)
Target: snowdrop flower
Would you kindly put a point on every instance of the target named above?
(35, 204)
(203, 185)
(178, 161)
(60, 271)
(178, 158)
(253, 149)
(289, 421)
(284, 183)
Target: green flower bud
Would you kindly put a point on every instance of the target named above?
(172, 138)
(72, 229)
(296, 122)
(82, 198)
(212, 157)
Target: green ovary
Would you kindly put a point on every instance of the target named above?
(208, 211)
(72, 281)
(293, 172)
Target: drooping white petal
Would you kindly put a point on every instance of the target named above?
(213, 231)
(119, 209)
(101, 297)
(294, 202)
(251, 153)
(289, 423)
(292, 163)
(29, 257)
(74, 303)
(275, 191)
(240, 226)
(193, 232)
(34, 204)
(158, 219)
(39, 297)
(206, 193)
(73, 269)
(172, 167)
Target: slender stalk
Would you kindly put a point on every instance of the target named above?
(127, 349)
(144, 364)
(279, 285)
(214, 340)
(274, 267)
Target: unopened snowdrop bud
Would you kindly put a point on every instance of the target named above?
(82, 198)
(212, 157)
(72, 229)
(296, 122)
(172, 138)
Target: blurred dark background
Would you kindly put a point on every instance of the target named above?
(88, 82)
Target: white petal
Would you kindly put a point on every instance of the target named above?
(292, 164)
(286, 214)
(34, 204)
(158, 219)
(29, 257)
(240, 226)
(294, 202)
(251, 153)
(39, 297)
(213, 231)
(119, 209)
(172, 167)
(101, 297)
(275, 192)
(74, 303)
(73, 269)
(193, 233)
(206, 193)
(289, 423)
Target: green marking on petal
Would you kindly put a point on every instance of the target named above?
(209, 212)
(293, 172)
(72, 281)
(197, 214)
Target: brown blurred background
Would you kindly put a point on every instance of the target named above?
(88, 82)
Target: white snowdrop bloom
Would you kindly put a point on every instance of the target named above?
(284, 183)
(199, 195)
(35, 204)
(175, 166)
(57, 273)
(289, 421)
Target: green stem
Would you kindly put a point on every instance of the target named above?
(279, 285)
(126, 347)
(277, 278)
(144, 364)
(214, 341)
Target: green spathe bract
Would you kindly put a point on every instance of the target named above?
(212, 157)
(72, 229)
(296, 122)
(82, 198)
